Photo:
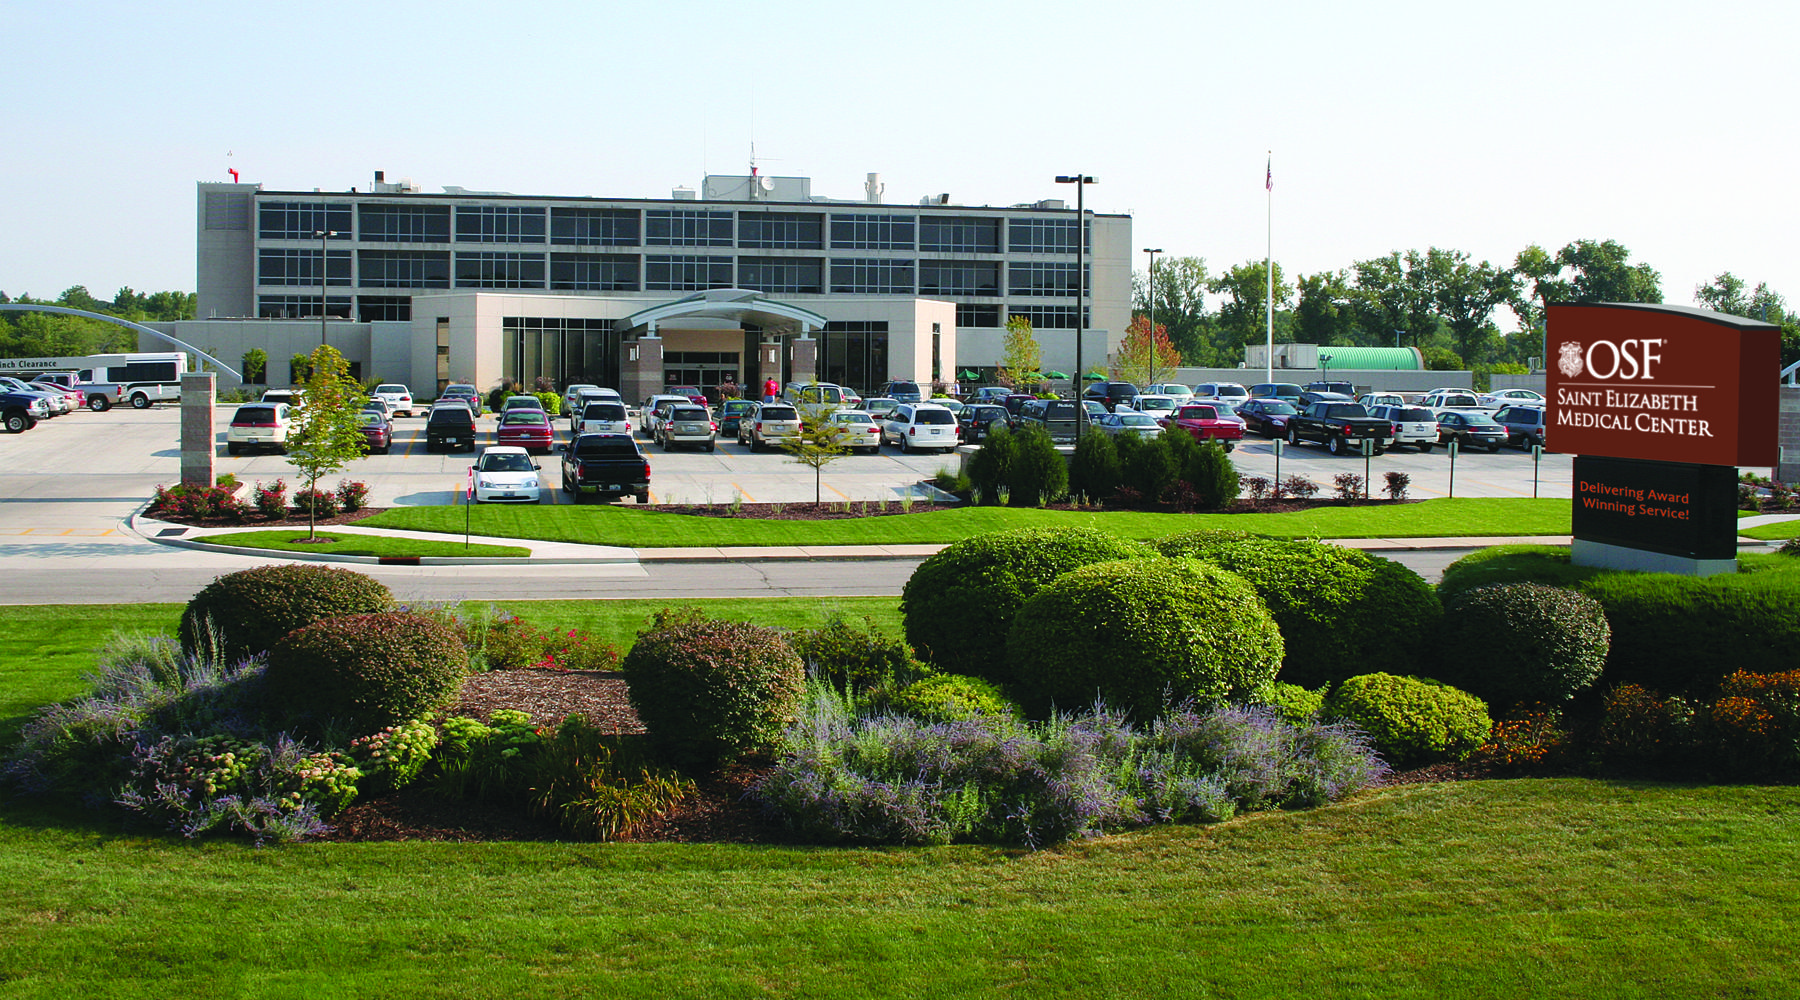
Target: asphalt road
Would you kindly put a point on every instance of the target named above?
(68, 485)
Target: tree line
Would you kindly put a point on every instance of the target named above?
(34, 334)
(1437, 300)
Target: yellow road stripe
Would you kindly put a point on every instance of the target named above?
(743, 493)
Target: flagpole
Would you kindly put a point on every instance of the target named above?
(1269, 266)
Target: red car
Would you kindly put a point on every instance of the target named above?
(690, 391)
(527, 429)
(378, 431)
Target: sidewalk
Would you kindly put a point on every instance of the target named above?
(548, 553)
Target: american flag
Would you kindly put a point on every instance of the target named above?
(1269, 176)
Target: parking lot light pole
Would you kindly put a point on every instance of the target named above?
(1081, 181)
(324, 277)
(1150, 297)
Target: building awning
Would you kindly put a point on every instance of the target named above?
(740, 305)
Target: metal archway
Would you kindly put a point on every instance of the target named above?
(141, 328)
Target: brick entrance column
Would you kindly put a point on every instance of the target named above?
(198, 450)
(804, 359)
(643, 377)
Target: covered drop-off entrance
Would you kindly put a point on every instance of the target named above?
(714, 336)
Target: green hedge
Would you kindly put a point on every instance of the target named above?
(1412, 720)
(1140, 635)
(1522, 642)
(368, 671)
(1340, 610)
(247, 611)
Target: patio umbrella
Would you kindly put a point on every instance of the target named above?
(1094, 377)
(1056, 375)
(969, 375)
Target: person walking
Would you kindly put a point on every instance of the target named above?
(770, 389)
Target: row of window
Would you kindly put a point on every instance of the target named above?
(620, 273)
(373, 308)
(378, 222)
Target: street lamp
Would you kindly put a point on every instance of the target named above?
(1081, 181)
(1325, 367)
(324, 276)
(1152, 298)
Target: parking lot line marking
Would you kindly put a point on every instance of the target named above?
(743, 493)
(839, 492)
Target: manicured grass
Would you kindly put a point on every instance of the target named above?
(1773, 532)
(627, 526)
(1566, 888)
(346, 544)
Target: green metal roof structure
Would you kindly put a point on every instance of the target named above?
(1394, 359)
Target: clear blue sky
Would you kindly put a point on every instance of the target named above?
(1394, 125)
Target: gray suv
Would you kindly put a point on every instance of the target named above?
(1524, 425)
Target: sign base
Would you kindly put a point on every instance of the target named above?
(1600, 555)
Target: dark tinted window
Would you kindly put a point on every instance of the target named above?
(1411, 413)
(934, 417)
(687, 413)
(603, 411)
(254, 415)
(1346, 410)
(778, 413)
(451, 415)
(611, 446)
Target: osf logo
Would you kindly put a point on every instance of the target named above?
(1607, 359)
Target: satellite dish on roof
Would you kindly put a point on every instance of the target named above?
(766, 183)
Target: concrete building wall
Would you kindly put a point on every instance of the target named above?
(1789, 469)
(225, 250)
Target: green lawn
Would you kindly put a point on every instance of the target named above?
(1774, 532)
(635, 528)
(1566, 888)
(347, 544)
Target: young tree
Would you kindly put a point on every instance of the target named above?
(1020, 355)
(256, 361)
(1146, 356)
(325, 435)
(820, 442)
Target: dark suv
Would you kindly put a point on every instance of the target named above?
(450, 425)
(1524, 425)
(905, 392)
(1111, 394)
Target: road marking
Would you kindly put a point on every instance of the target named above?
(743, 493)
(839, 492)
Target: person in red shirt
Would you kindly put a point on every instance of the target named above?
(770, 389)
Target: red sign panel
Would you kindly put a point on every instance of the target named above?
(1662, 383)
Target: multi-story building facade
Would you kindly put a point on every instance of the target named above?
(753, 277)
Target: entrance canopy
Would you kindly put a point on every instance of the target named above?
(740, 305)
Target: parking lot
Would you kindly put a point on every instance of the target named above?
(124, 453)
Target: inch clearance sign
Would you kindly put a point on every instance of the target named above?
(1663, 383)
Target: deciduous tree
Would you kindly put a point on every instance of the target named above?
(1146, 355)
(1020, 353)
(325, 434)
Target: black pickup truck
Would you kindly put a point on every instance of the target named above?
(1340, 426)
(609, 466)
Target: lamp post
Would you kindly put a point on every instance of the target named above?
(324, 277)
(1325, 367)
(1152, 299)
(1081, 181)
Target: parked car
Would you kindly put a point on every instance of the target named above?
(1289, 391)
(572, 394)
(76, 399)
(512, 403)
(1510, 397)
(609, 466)
(1451, 399)
(1340, 424)
(1524, 425)
(692, 393)
(809, 396)
(21, 411)
(1370, 400)
(861, 432)
(879, 406)
(1207, 420)
(1111, 394)
(1310, 396)
(730, 412)
(375, 404)
(920, 425)
(1062, 419)
(55, 402)
(601, 417)
(650, 414)
(464, 393)
(1413, 425)
(1179, 392)
(953, 405)
(527, 428)
(1231, 392)
(977, 421)
(687, 425)
(288, 396)
(1328, 386)
(1267, 415)
(1472, 428)
(505, 474)
(399, 398)
(450, 425)
(990, 394)
(1160, 407)
(258, 425)
(770, 422)
(1129, 422)
(902, 390)
(378, 431)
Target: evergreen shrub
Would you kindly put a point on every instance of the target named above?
(1037, 473)
(1094, 469)
(1141, 635)
(991, 465)
(245, 612)
(1339, 609)
(958, 604)
(1523, 642)
(1412, 720)
(369, 670)
(709, 691)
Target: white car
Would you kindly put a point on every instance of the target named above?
(1414, 425)
(766, 423)
(601, 417)
(687, 424)
(650, 416)
(1180, 393)
(1157, 406)
(258, 425)
(1513, 397)
(399, 398)
(505, 474)
(572, 395)
(861, 432)
(920, 425)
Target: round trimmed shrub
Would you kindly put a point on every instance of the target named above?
(708, 690)
(369, 670)
(1412, 720)
(1141, 634)
(1339, 609)
(1524, 642)
(959, 603)
(855, 659)
(245, 612)
(951, 698)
